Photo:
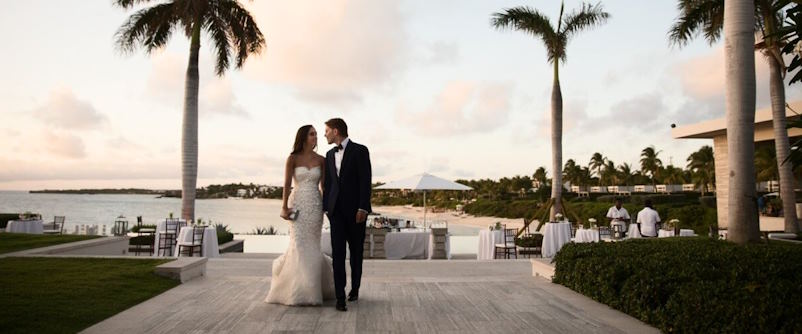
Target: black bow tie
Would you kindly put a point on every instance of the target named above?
(338, 148)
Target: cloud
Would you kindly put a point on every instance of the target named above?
(329, 51)
(443, 52)
(64, 110)
(461, 107)
(644, 112)
(64, 145)
(215, 94)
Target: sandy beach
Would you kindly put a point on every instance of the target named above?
(451, 217)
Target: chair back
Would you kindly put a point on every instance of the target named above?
(197, 234)
(604, 231)
(171, 225)
(138, 220)
(509, 236)
(618, 231)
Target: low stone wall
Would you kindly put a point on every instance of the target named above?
(106, 246)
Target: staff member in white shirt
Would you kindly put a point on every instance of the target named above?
(617, 215)
(648, 219)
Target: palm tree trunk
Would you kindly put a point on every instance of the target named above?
(739, 41)
(189, 139)
(781, 143)
(556, 143)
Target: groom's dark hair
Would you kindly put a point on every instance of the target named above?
(339, 125)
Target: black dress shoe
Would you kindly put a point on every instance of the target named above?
(353, 296)
(341, 305)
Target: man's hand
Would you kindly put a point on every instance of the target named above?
(361, 216)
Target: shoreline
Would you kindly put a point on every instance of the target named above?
(451, 217)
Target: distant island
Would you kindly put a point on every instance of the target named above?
(239, 190)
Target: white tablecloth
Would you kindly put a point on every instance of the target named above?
(159, 231)
(634, 232)
(209, 248)
(487, 243)
(25, 226)
(555, 236)
(682, 233)
(415, 244)
(586, 235)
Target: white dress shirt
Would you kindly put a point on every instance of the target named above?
(338, 156)
(616, 213)
(648, 218)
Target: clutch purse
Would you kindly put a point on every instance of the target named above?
(293, 215)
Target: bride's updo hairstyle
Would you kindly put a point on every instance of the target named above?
(300, 139)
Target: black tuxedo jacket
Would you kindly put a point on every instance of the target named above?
(351, 190)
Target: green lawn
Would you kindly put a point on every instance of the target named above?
(66, 295)
(12, 242)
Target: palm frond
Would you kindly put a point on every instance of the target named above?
(587, 16)
(697, 17)
(533, 22)
(243, 32)
(217, 30)
(149, 27)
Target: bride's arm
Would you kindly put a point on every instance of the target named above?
(285, 194)
(322, 175)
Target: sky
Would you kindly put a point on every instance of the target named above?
(428, 86)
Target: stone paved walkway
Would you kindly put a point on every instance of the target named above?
(415, 296)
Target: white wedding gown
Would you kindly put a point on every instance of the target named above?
(303, 274)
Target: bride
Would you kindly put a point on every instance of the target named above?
(303, 274)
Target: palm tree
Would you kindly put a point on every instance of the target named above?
(673, 175)
(610, 173)
(650, 164)
(766, 164)
(707, 16)
(625, 173)
(231, 29)
(596, 163)
(532, 22)
(703, 168)
(540, 176)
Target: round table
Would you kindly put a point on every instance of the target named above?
(555, 236)
(487, 243)
(209, 248)
(408, 244)
(586, 235)
(31, 226)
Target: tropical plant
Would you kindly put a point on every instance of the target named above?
(625, 173)
(765, 164)
(540, 176)
(673, 175)
(555, 39)
(650, 163)
(707, 17)
(231, 30)
(703, 168)
(596, 163)
(270, 230)
(609, 174)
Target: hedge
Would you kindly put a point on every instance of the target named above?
(692, 285)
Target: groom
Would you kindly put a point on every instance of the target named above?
(346, 200)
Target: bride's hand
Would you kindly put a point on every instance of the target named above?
(285, 213)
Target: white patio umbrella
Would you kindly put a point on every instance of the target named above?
(424, 182)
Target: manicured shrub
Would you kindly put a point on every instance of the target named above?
(691, 285)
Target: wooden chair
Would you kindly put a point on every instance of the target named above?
(439, 247)
(55, 227)
(508, 247)
(604, 231)
(168, 236)
(143, 231)
(195, 244)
